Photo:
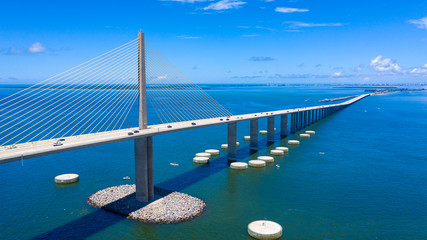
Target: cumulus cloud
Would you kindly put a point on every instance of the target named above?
(290, 10)
(292, 24)
(420, 23)
(36, 47)
(421, 70)
(162, 77)
(336, 74)
(224, 5)
(261, 59)
(381, 64)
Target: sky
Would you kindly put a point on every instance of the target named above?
(224, 41)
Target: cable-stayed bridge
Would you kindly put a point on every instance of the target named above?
(93, 104)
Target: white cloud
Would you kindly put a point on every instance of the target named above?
(162, 77)
(290, 10)
(381, 64)
(337, 74)
(224, 4)
(36, 47)
(303, 24)
(420, 23)
(421, 70)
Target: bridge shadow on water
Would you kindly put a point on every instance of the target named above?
(101, 219)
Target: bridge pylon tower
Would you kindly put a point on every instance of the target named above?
(144, 145)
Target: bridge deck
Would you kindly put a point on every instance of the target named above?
(29, 150)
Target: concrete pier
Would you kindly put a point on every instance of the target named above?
(284, 125)
(232, 139)
(270, 129)
(144, 169)
(254, 134)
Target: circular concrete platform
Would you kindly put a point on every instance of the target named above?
(293, 142)
(257, 163)
(203, 154)
(266, 159)
(239, 165)
(264, 229)
(284, 149)
(201, 160)
(67, 178)
(213, 152)
(304, 135)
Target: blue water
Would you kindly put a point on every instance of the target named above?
(371, 183)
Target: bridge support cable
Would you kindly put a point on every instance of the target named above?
(184, 88)
(54, 107)
(183, 81)
(179, 98)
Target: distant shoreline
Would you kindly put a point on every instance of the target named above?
(207, 86)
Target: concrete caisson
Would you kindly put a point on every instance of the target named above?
(264, 229)
(284, 149)
(304, 135)
(276, 152)
(213, 152)
(201, 160)
(239, 165)
(67, 178)
(203, 154)
(257, 163)
(293, 142)
(266, 159)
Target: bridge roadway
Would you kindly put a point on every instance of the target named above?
(30, 150)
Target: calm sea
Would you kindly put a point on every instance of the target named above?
(371, 183)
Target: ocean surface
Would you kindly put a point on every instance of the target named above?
(371, 183)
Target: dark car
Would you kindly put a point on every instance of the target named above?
(136, 131)
(193, 123)
(169, 126)
(130, 133)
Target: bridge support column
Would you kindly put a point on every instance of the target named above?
(254, 135)
(284, 125)
(144, 169)
(305, 118)
(300, 121)
(270, 129)
(232, 139)
(294, 122)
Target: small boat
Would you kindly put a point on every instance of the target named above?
(321, 153)
(126, 178)
(174, 164)
(277, 165)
